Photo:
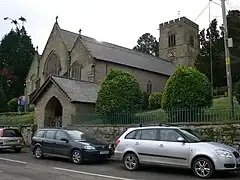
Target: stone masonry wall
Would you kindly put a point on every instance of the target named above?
(225, 133)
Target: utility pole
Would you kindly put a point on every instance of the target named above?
(228, 61)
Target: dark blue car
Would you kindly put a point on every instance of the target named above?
(73, 144)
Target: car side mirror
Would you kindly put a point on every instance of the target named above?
(64, 139)
(181, 139)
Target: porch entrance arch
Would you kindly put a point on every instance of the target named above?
(53, 113)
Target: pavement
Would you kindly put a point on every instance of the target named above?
(23, 166)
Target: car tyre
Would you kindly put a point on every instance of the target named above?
(131, 162)
(77, 157)
(203, 168)
(38, 153)
(17, 150)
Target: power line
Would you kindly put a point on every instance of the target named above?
(203, 10)
(233, 6)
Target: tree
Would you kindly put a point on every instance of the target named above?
(203, 62)
(186, 89)
(233, 20)
(16, 55)
(218, 54)
(119, 93)
(147, 44)
(155, 100)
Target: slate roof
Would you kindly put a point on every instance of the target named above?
(117, 54)
(75, 90)
(79, 91)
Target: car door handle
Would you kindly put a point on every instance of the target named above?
(136, 143)
(161, 145)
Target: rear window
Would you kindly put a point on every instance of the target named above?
(11, 133)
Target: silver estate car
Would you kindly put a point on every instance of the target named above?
(174, 146)
(11, 138)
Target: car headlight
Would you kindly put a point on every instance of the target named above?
(89, 147)
(223, 153)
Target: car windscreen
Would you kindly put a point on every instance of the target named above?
(192, 136)
(11, 133)
(78, 135)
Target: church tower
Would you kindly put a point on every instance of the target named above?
(179, 41)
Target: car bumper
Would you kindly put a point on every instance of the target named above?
(96, 155)
(227, 164)
(11, 146)
(118, 156)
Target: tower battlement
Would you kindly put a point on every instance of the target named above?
(183, 20)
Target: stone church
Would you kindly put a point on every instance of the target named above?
(63, 82)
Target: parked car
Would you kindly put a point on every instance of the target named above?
(73, 144)
(11, 138)
(177, 147)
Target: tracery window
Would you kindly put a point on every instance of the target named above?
(76, 71)
(52, 66)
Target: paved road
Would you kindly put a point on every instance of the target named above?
(23, 166)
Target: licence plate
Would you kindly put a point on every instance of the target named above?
(104, 152)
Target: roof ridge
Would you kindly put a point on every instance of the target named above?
(139, 53)
(69, 78)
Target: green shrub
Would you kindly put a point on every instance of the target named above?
(237, 91)
(155, 100)
(13, 105)
(185, 90)
(119, 94)
(145, 99)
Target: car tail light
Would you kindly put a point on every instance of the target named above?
(2, 134)
(117, 142)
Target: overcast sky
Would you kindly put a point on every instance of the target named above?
(120, 22)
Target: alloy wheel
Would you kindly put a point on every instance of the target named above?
(203, 168)
(38, 152)
(131, 162)
(76, 157)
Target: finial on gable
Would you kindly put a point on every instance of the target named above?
(56, 19)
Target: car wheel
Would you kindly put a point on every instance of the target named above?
(77, 157)
(17, 150)
(38, 153)
(131, 162)
(203, 168)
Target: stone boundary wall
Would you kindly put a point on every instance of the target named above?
(228, 133)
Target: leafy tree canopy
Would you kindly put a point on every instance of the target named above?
(187, 88)
(147, 44)
(16, 55)
(119, 92)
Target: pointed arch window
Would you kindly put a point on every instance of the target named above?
(76, 71)
(52, 66)
(149, 87)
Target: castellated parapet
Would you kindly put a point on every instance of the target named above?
(181, 20)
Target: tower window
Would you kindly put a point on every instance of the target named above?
(172, 40)
(191, 40)
(149, 87)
